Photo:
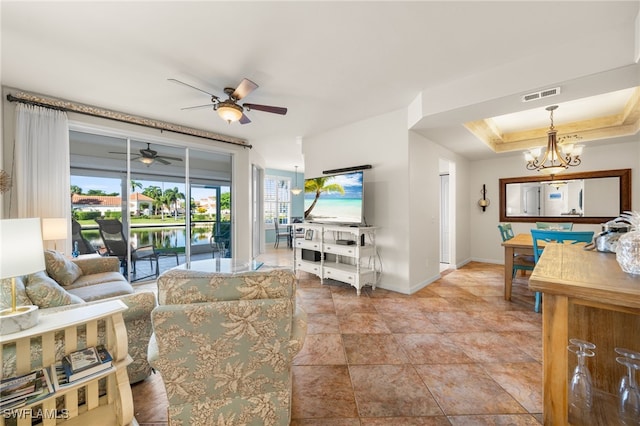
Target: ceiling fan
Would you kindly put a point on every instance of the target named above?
(229, 109)
(148, 156)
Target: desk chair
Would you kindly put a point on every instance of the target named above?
(521, 262)
(564, 237)
(555, 226)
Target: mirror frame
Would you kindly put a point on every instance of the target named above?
(625, 195)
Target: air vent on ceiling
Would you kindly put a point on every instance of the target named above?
(541, 94)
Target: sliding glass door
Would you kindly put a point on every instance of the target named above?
(170, 199)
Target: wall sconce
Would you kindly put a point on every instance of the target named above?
(484, 201)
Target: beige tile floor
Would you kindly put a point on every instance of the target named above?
(453, 353)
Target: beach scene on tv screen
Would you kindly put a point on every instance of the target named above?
(334, 199)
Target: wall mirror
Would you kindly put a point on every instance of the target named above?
(588, 197)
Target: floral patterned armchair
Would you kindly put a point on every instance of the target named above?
(224, 345)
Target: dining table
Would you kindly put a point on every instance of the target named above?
(520, 244)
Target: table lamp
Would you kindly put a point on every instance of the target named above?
(53, 229)
(21, 253)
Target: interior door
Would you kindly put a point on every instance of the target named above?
(532, 201)
(444, 219)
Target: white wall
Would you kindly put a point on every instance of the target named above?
(382, 142)
(401, 193)
(485, 241)
(425, 158)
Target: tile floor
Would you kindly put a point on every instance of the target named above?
(453, 353)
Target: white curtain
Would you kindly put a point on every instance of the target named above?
(41, 171)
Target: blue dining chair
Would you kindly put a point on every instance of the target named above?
(564, 237)
(555, 226)
(521, 262)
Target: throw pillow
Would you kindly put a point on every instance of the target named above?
(64, 271)
(46, 293)
(5, 293)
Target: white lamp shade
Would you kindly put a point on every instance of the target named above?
(54, 228)
(21, 251)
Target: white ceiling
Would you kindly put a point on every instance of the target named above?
(330, 63)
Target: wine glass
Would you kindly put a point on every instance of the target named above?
(629, 406)
(580, 387)
(627, 353)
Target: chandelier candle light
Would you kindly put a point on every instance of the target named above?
(21, 253)
(484, 201)
(556, 158)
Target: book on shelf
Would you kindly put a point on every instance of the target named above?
(59, 378)
(86, 362)
(25, 389)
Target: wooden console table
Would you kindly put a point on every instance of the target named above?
(113, 408)
(586, 296)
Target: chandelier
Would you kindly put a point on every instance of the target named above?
(556, 158)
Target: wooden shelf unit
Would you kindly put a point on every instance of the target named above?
(323, 256)
(586, 296)
(113, 408)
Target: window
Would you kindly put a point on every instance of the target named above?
(277, 200)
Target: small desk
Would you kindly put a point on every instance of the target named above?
(587, 296)
(223, 265)
(521, 244)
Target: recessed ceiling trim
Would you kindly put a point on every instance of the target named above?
(623, 123)
(631, 113)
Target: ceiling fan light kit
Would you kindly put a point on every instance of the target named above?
(557, 158)
(229, 110)
(149, 156)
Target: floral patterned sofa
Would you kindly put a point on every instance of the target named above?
(224, 345)
(64, 285)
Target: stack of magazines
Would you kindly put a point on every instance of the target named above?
(26, 389)
(81, 364)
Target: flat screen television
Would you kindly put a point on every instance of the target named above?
(336, 199)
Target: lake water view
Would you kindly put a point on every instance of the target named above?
(160, 237)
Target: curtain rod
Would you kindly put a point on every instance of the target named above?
(61, 105)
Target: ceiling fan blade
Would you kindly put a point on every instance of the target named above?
(244, 119)
(197, 106)
(113, 152)
(245, 87)
(164, 157)
(162, 161)
(266, 108)
(173, 80)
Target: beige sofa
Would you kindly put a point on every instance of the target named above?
(65, 284)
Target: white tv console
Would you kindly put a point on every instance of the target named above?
(341, 253)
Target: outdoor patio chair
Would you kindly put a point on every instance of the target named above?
(84, 246)
(115, 242)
